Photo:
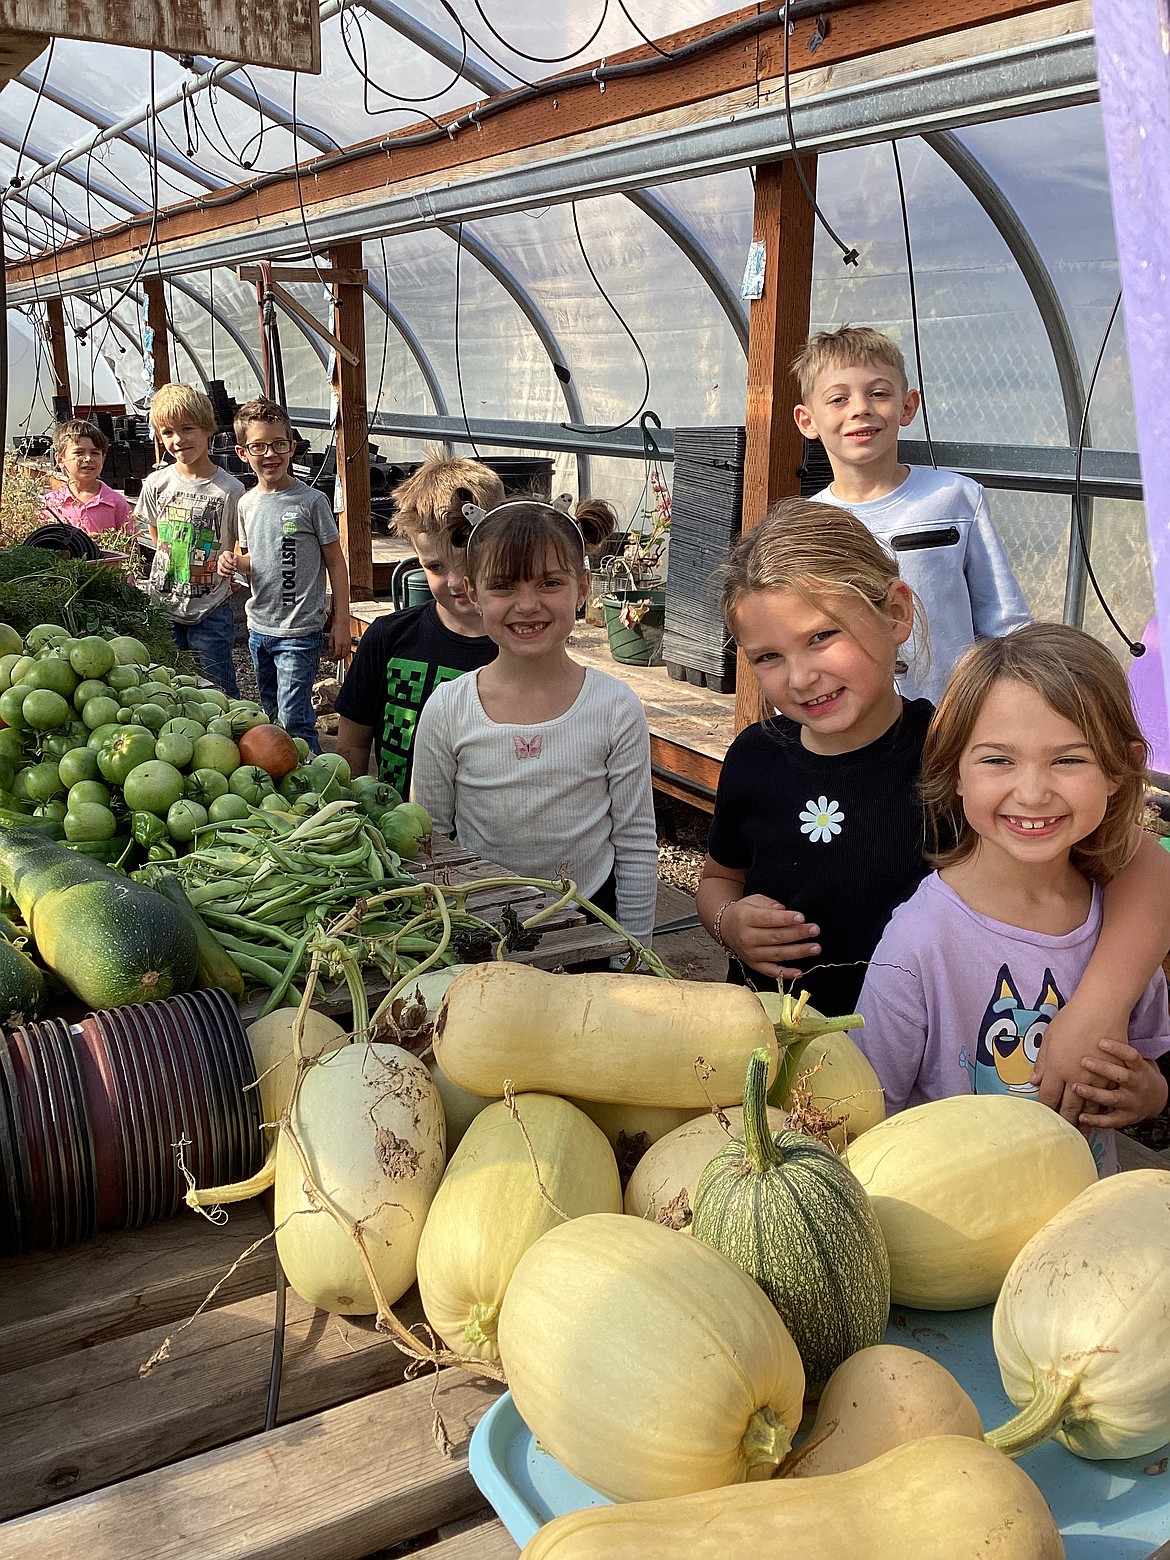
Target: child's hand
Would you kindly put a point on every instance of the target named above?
(226, 564)
(340, 641)
(1126, 1090)
(763, 933)
(1072, 1034)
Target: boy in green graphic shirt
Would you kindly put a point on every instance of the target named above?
(403, 657)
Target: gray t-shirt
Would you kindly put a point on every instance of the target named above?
(283, 534)
(195, 518)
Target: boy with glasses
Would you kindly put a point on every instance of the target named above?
(190, 509)
(288, 544)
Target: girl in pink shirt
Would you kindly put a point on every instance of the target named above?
(86, 502)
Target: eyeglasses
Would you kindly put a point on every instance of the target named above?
(277, 446)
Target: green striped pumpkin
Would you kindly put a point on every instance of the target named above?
(785, 1209)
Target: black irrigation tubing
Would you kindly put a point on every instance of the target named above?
(599, 76)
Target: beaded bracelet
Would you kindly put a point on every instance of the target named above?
(718, 921)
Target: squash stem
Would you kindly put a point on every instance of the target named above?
(766, 1441)
(1042, 1418)
(758, 1142)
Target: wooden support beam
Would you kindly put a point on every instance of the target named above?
(735, 65)
(290, 306)
(58, 346)
(353, 424)
(358, 276)
(777, 329)
(156, 318)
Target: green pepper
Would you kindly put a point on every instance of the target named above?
(148, 829)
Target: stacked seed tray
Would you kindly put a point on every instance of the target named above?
(706, 516)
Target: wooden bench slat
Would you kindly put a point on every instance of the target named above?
(489, 1541)
(88, 1420)
(336, 1485)
(52, 1302)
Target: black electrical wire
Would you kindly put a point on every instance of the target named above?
(211, 313)
(913, 304)
(373, 417)
(849, 256)
(300, 194)
(1134, 646)
(277, 1367)
(646, 39)
(617, 314)
(350, 18)
(15, 182)
(542, 59)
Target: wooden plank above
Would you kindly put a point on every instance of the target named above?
(17, 52)
(346, 1482)
(326, 275)
(284, 37)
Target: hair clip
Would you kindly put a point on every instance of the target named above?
(473, 513)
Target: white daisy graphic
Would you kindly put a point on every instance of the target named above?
(821, 819)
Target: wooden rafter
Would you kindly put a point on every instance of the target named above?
(526, 124)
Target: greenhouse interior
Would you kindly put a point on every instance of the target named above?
(324, 1102)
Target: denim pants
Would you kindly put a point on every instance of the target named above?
(210, 641)
(285, 668)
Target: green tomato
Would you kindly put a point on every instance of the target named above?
(10, 641)
(124, 752)
(215, 696)
(7, 772)
(417, 814)
(183, 727)
(120, 676)
(7, 662)
(45, 634)
(56, 745)
(214, 752)
(153, 787)
(125, 714)
(374, 797)
(44, 710)
(148, 828)
(91, 656)
(276, 804)
(206, 786)
(185, 680)
(163, 675)
(80, 763)
(129, 651)
(297, 783)
(331, 764)
(183, 818)
(90, 821)
(244, 720)
(101, 734)
(98, 712)
(218, 725)
(228, 807)
(303, 749)
(20, 784)
(43, 781)
(25, 664)
(89, 791)
(11, 706)
(91, 688)
(11, 742)
(54, 673)
(174, 748)
(132, 697)
(54, 810)
(151, 715)
(251, 782)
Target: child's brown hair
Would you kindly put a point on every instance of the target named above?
(845, 348)
(1079, 679)
(75, 429)
(425, 502)
(260, 409)
(175, 404)
(511, 542)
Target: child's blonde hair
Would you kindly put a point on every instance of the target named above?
(176, 404)
(845, 348)
(816, 550)
(76, 429)
(1080, 680)
(423, 504)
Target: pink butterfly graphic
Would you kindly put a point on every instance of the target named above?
(528, 747)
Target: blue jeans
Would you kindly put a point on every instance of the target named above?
(285, 669)
(210, 642)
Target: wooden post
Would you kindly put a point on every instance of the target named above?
(156, 318)
(58, 345)
(353, 426)
(777, 329)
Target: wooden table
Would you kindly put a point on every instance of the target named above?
(107, 1465)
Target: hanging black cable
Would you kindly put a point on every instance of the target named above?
(277, 1367)
(458, 358)
(913, 304)
(646, 39)
(617, 314)
(543, 59)
(848, 256)
(1134, 646)
(15, 181)
(348, 19)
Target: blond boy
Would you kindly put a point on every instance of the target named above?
(403, 657)
(855, 397)
(190, 508)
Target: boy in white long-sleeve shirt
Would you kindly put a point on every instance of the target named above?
(854, 398)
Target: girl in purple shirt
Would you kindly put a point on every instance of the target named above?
(1034, 766)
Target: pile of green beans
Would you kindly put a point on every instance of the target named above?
(266, 883)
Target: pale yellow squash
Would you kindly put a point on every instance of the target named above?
(947, 1498)
(880, 1398)
(271, 1042)
(489, 1210)
(632, 1129)
(370, 1126)
(960, 1185)
(459, 1108)
(648, 1364)
(1082, 1324)
(840, 1083)
(663, 1184)
(624, 1039)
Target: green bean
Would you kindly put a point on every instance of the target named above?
(251, 965)
(239, 923)
(293, 964)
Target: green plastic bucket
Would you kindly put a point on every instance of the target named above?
(640, 643)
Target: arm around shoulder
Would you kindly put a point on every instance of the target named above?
(434, 771)
(633, 827)
(997, 603)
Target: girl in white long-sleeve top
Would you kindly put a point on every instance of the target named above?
(535, 761)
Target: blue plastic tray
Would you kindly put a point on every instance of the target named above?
(1105, 1510)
